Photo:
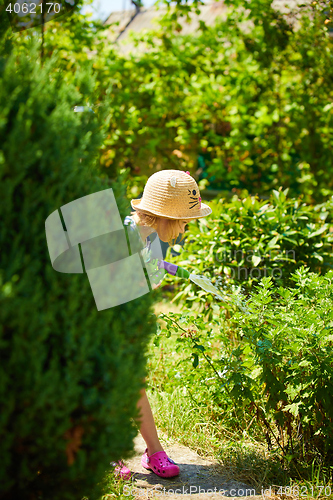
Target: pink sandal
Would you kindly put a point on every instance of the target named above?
(160, 463)
(121, 470)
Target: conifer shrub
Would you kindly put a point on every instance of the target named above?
(69, 375)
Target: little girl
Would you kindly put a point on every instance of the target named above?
(170, 199)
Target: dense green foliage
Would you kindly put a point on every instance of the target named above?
(287, 348)
(245, 240)
(251, 97)
(272, 361)
(67, 391)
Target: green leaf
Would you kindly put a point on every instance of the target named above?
(272, 242)
(200, 347)
(319, 231)
(293, 408)
(276, 195)
(256, 259)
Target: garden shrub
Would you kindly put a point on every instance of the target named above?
(69, 375)
(272, 362)
(245, 240)
(286, 347)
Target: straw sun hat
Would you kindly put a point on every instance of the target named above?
(172, 194)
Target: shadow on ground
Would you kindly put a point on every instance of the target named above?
(200, 478)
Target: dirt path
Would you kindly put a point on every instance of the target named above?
(199, 478)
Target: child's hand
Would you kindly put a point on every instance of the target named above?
(156, 285)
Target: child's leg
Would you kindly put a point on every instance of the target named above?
(147, 425)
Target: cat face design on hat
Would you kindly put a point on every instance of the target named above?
(195, 199)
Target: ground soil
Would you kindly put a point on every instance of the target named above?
(199, 478)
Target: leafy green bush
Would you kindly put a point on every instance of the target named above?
(67, 393)
(272, 362)
(245, 240)
(286, 347)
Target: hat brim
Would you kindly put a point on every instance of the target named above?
(203, 212)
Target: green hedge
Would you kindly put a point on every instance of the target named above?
(262, 358)
(69, 375)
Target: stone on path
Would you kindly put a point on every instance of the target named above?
(198, 477)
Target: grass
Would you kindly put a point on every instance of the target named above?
(243, 459)
(114, 487)
(117, 488)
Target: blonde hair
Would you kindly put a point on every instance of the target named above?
(167, 229)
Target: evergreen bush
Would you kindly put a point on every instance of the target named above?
(69, 375)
